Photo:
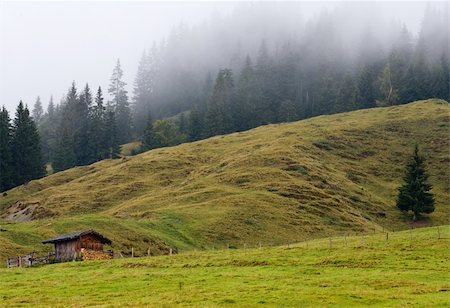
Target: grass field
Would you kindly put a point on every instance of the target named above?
(410, 269)
(286, 182)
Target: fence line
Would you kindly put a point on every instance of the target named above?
(29, 260)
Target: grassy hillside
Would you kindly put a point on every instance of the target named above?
(371, 271)
(274, 184)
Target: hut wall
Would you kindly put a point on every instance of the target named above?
(67, 250)
(91, 242)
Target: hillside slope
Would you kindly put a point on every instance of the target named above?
(274, 184)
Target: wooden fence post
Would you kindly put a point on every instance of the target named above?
(387, 236)
(410, 237)
(260, 245)
(148, 251)
(132, 252)
(170, 251)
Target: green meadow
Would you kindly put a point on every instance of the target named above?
(411, 268)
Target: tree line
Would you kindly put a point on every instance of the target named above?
(20, 150)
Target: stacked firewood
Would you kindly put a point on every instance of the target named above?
(88, 254)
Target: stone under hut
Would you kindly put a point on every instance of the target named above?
(81, 245)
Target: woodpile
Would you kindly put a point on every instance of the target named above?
(88, 254)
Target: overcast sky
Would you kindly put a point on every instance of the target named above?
(44, 46)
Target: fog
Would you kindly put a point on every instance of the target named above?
(44, 46)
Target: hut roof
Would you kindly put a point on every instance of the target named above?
(75, 235)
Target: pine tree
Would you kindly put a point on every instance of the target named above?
(365, 87)
(6, 166)
(144, 88)
(97, 136)
(120, 105)
(195, 130)
(64, 157)
(111, 145)
(219, 112)
(38, 111)
(287, 111)
(245, 105)
(48, 131)
(81, 128)
(414, 195)
(26, 148)
(149, 140)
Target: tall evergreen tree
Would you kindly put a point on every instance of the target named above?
(414, 195)
(6, 166)
(195, 130)
(97, 136)
(219, 112)
(245, 105)
(120, 104)
(64, 157)
(149, 140)
(26, 148)
(111, 145)
(38, 111)
(48, 128)
(81, 129)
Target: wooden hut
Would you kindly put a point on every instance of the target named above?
(84, 245)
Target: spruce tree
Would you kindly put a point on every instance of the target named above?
(97, 136)
(81, 128)
(26, 148)
(219, 109)
(38, 111)
(195, 130)
(112, 147)
(6, 166)
(64, 157)
(149, 139)
(120, 105)
(414, 195)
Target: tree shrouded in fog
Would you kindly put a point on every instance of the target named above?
(38, 110)
(6, 158)
(26, 148)
(198, 82)
(120, 104)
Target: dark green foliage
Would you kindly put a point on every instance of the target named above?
(219, 120)
(120, 105)
(196, 127)
(167, 133)
(38, 111)
(26, 148)
(97, 134)
(414, 195)
(64, 155)
(81, 128)
(48, 131)
(6, 159)
(112, 146)
(287, 112)
(149, 140)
